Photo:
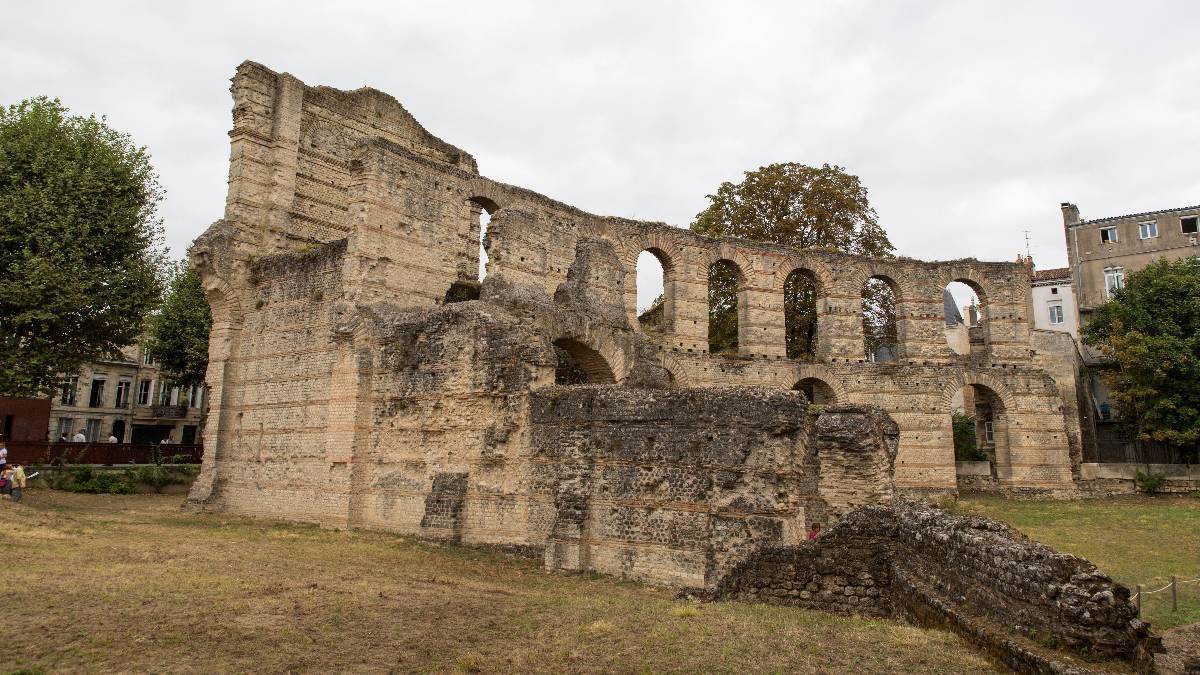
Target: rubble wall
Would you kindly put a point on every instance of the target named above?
(971, 574)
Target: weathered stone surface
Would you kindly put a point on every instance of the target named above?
(974, 575)
(360, 376)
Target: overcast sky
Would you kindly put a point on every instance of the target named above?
(969, 122)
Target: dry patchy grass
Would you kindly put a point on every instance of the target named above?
(131, 583)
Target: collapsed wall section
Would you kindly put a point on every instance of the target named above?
(1012, 595)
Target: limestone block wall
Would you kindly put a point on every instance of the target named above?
(666, 485)
(271, 416)
(315, 168)
(442, 449)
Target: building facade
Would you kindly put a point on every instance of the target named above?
(1053, 299)
(1103, 252)
(125, 398)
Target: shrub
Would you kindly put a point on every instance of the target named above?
(1150, 483)
(965, 449)
(84, 479)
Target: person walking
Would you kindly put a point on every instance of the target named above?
(814, 531)
(3, 453)
(79, 437)
(18, 482)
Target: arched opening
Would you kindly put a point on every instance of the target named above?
(800, 293)
(964, 310)
(655, 304)
(881, 327)
(580, 364)
(118, 430)
(482, 209)
(980, 430)
(817, 391)
(725, 281)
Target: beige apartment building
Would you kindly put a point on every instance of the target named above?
(1105, 251)
(128, 399)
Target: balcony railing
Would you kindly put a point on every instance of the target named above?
(169, 411)
(27, 452)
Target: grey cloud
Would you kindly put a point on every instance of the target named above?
(969, 122)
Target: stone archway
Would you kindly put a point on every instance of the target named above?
(580, 364)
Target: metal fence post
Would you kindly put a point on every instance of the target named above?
(1174, 598)
(1139, 599)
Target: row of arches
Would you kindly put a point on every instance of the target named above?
(962, 305)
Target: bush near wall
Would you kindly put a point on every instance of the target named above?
(118, 482)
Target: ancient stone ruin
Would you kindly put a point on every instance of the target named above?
(362, 376)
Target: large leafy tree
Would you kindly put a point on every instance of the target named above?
(1150, 331)
(798, 206)
(178, 333)
(80, 243)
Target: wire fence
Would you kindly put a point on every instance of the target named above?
(1174, 594)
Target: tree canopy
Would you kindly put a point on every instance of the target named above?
(80, 243)
(178, 333)
(798, 206)
(1150, 330)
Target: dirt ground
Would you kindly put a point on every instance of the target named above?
(132, 583)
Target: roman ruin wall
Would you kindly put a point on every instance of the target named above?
(313, 167)
(362, 376)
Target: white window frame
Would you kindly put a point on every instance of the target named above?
(1112, 235)
(1195, 218)
(145, 395)
(1056, 313)
(124, 387)
(1147, 227)
(66, 425)
(1117, 275)
(989, 431)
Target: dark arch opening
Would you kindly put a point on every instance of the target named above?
(980, 426)
(800, 292)
(817, 391)
(881, 327)
(580, 364)
(725, 281)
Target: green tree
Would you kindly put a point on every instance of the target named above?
(965, 449)
(178, 334)
(1150, 332)
(879, 317)
(80, 243)
(797, 206)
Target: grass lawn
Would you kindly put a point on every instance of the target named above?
(1136, 539)
(131, 583)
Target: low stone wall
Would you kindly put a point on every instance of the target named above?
(1119, 478)
(971, 574)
